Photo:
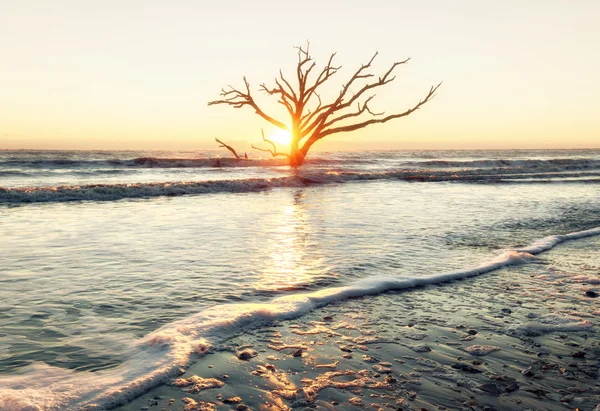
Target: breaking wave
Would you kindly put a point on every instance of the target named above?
(111, 192)
(158, 356)
(555, 164)
(552, 164)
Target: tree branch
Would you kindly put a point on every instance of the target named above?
(238, 99)
(228, 147)
(352, 127)
(274, 152)
(319, 123)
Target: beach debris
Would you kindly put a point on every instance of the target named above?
(279, 346)
(414, 335)
(331, 365)
(480, 350)
(232, 400)
(465, 367)
(492, 388)
(368, 358)
(193, 405)
(402, 404)
(356, 401)
(246, 354)
(512, 387)
(318, 329)
(198, 383)
(529, 372)
(383, 368)
(390, 380)
(421, 348)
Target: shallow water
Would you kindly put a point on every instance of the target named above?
(83, 282)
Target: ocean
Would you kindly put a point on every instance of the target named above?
(118, 268)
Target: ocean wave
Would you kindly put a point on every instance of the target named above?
(159, 355)
(118, 191)
(549, 164)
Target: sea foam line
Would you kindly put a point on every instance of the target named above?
(158, 356)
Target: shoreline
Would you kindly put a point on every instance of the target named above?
(414, 349)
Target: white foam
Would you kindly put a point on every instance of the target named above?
(160, 354)
(548, 324)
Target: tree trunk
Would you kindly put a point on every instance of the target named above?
(296, 156)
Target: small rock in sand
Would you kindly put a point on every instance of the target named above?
(297, 353)
(421, 348)
(480, 350)
(356, 401)
(591, 294)
(465, 367)
(246, 354)
(492, 388)
(232, 400)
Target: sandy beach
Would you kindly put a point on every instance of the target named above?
(521, 338)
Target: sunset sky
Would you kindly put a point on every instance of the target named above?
(138, 74)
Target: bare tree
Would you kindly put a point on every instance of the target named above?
(311, 120)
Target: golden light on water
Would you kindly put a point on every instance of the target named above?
(290, 264)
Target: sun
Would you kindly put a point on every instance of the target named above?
(283, 137)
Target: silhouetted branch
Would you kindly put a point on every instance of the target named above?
(228, 147)
(238, 99)
(352, 127)
(274, 152)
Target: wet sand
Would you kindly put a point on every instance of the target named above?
(524, 337)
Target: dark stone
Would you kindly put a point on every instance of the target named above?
(465, 367)
(506, 310)
(591, 294)
(472, 332)
(492, 388)
(297, 353)
(579, 354)
(328, 318)
(513, 386)
(528, 372)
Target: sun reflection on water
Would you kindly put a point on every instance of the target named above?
(292, 262)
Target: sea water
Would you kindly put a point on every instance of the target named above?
(117, 268)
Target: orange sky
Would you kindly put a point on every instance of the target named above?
(138, 74)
